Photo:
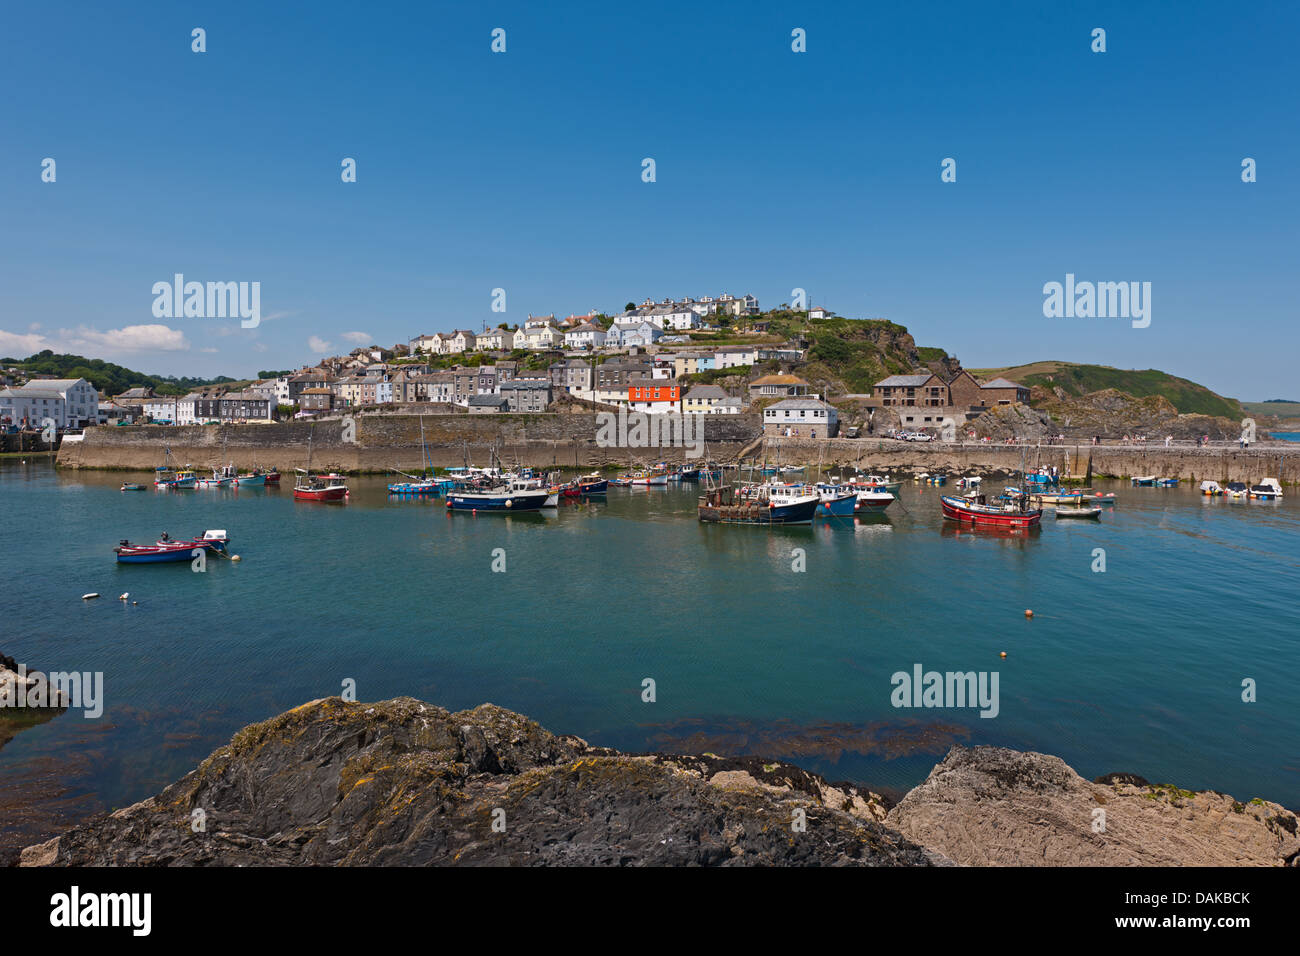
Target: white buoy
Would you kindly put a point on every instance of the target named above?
(234, 557)
(125, 596)
(92, 594)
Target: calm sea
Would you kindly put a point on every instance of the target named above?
(1286, 436)
(1138, 668)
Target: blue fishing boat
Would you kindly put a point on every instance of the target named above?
(756, 504)
(1144, 481)
(510, 497)
(837, 501)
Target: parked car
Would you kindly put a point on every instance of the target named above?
(920, 436)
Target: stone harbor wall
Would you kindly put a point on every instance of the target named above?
(379, 443)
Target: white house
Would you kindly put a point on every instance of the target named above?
(538, 321)
(735, 356)
(30, 407)
(638, 332)
(185, 408)
(80, 400)
(585, 336)
(674, 317)
(543, 337)
(500, 340)
(462, 340)
(801, 418)
(161, 408)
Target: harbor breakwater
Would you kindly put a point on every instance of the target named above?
(380, 443)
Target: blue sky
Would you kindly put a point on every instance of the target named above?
(775, 170)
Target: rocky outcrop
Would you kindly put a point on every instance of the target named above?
(1110, 412)
(406, 783)
(19, 689)
(401, 782)
(988, 806)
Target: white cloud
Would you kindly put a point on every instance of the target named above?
(359, 338)
(130, 338)
(318, 344)
(21, 346)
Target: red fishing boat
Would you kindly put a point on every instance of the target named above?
(319, 488)
(974, 510)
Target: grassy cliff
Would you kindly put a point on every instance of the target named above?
(1068, 380)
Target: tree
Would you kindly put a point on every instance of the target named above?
(629, 307)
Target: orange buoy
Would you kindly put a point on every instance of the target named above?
(1003, 654)
(1028, 613)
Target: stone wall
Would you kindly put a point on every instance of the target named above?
(1278, 460)
(385, 442)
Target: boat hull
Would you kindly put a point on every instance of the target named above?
(319, 494)
(505, 503)
(838, 506)
(250, 480)
(799, 512)
(954, 509)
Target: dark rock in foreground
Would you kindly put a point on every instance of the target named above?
(406, 783)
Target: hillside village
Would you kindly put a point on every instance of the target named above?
(808, 373)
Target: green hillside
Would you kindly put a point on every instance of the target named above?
(1075, 380)
(110, 379)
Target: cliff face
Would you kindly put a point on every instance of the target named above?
(406, 783)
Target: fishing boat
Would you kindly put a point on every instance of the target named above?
(271, 477)
(1081, 511)
(754, 505)
(1040, 481)
(1269, 489)
(1166, 482)
(169, 549)
(972, 482)
(507, 497)
(593, 484)
(876, 483)
(132, 486)
(1103, 498)
(309, 487)
(1236, 489)
(1144, 481)
(1211, 489)
(423, 485)
(974, 510)
(221, 478)
(645, 478)
(253, 479)
(837, 501)
(167, 478)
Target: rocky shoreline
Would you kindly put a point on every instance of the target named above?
(402, 782)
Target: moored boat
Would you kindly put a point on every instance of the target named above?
(132, 486)
(508, 497)
(1236, 489)
(976, 511)
(837, 501)
(168, 549)
(1269, 489)
(753, 505)
(309, 487)
(1081, 511)
(1211, 489)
